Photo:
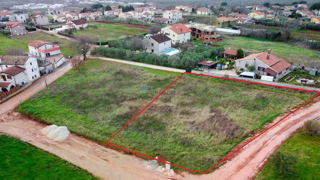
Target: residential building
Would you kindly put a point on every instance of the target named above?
(72, 16)
(203, 11)
(187, 9)
(40, 20)
(207, 33)
(265, 63)
(257, 14)
(230, 54)
(305, 13)
(96, 15)
(178, 33)
(6, 15)
(286, 13)
(225, 21)
(59, 18)
(46, 51)
(12, 77)
(85, 16)
(126, 15)
(53, 11)
(77, 24)
(174, 16)
(315, 20)
(161, 20)
(21, 17)
(16, 28)
(157, 43)
(30, 64)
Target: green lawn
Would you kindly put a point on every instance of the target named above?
(312, 35)
(20, 160)
(110, 32)
(301, 74)
(307, 149)
(63, 43)
(282, 50)
(7, 42)
(194, 124)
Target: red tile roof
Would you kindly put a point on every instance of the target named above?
(13, 24)
(146, 13)
(180, 28)
(270, 71)
(14, 70)
(230, 52)
(4, 84)
(226, 19)
(305, 12)
(258, 12)
(241, 16)
(202, 9)
(207, 63)
(173, 11)
(5, 13)
(37, 43)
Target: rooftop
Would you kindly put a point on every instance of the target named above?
(14, 70)
(37, 43)
(160, 38)
(14, 60)
(180, 28)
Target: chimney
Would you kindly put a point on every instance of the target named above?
(269, 51)
(268, 55)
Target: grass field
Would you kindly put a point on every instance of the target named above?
(7, 42)
(307, 149)
(194, 124)
(66, 51)
(110, 32)
(20, 160)
(287, 52)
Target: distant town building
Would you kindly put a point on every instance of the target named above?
(174, 16)
(40, 20)
(157, 43)
(178, 33)
(16, 28)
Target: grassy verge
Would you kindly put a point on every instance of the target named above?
(282, 50)
(194, 124)
(7, 42)
(110, 32)
(307, 149)
(64, 44)
(20, 160)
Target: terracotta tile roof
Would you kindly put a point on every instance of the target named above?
(173, 11)
(54, 58)
(139, 10)
(241, 16)
(4, 84)
(202, 9)
(73, 14)
(180, 28)
(270, 71)
(161, 19)
(14, 60)
(230, 52)
(5, 13)
(79, 22)
(146, 13)
(59, 15)
(14, 70)
(226, 19)
(13, 24)
(37, 43)
(160, 38)
(273, 62)
(305, 12)
(207, 63)
(258, 12)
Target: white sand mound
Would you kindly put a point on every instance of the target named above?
(57, 133)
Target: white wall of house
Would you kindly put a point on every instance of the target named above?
(42, 20)
(203, 12)
(22, 17)
(60, 62)
(16, 80)
(153, 46)
(173, 17)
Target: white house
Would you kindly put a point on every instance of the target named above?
(12, 77)
(77, 24)
(305, 13)
(59, 17)
(187, 9)
(21, 17)
(178, 33)
(40, 20)
(46, 51)
(174, 16)
(157, 43)
(203, 11)
(30, 64)
(265, 64)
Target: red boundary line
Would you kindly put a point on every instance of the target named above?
(229, 155)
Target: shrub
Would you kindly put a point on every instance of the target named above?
(283, 163)
(251, 68)
(312, 127)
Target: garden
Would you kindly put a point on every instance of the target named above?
(301, 77)
(197, 122)
(20, 160)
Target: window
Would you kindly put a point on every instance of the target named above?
(260, 68)
(32, 70)
(30, 63)
(9, 77)
(151, 44)
(47, 54)
(173, 35)
(6, 65)
(168, 34)
(151, 50)
(4, 77)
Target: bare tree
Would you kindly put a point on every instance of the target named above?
(154, 29)
(135, 43)
(82, 44)
(76, 62)
(13, 51)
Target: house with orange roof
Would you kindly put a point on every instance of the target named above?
(12, 77)
(257, 14)
(7, 15)
(265, 63)
(53, 11)
(126, 15)
(174, 16)
(225, 21)
(178, 33)
(72, 16)
(59, 17)
(203, 11)
(16, 28)
(78, 24)
(315, 20)
(230, 54)
(305, 13)
(187, 9)
(46, 51)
